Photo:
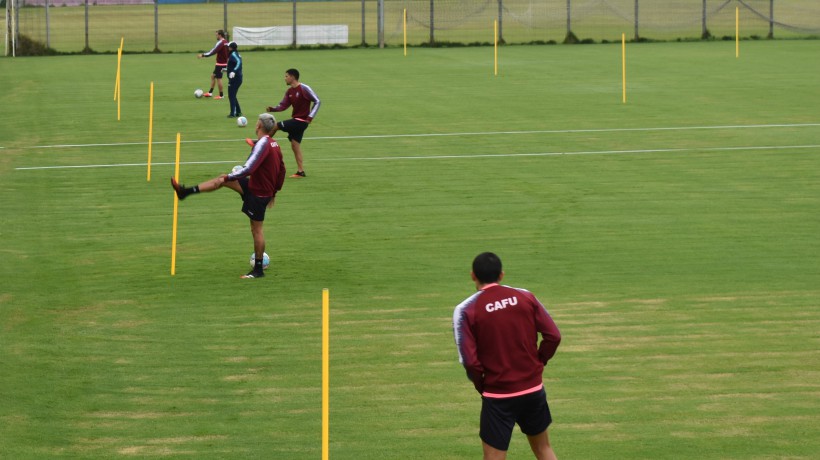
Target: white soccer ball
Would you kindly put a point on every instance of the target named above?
(265, 260)
(241, 121)
(236, 169)
(198, 93)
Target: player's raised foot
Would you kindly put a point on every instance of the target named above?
(178, 189)
(218, 97)
(299, 174)
(250, 141)
(253, 274)
(207, 95)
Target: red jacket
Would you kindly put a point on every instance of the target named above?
(265, 166)
(300, 98)
(496, 332)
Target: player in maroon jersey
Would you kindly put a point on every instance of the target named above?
(257, 182)
(300, 96)
(496, 332)
(222, 52)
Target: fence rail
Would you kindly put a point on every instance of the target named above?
(188, 25)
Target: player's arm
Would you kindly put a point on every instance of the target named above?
(213, 50)
(253, 162)
(466, 346)
(316, 103)
(551, 336)
(283, 105)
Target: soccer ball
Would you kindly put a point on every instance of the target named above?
(198, 93)
(265, 260)
(236, 169)
(241, 121)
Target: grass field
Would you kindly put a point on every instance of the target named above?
(673, 238)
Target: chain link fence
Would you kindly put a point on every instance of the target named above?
(74, 26)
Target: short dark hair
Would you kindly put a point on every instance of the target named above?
(293, 73)
(221, 33)
(487, 267)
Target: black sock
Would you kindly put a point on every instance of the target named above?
(257, 264)
(220, 94)
(185, 191)
(211, 90)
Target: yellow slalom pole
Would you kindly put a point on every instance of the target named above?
(176, 207)
(117, 78)
(495, 46)
(118, 94)
(623, 66)
(150, 128)
(325, 374)
(404, 28)
(737, 31)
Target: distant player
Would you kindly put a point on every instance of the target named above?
(257, 183)
(496, 332)
(300, 96)
(234, 80)
(221, 51)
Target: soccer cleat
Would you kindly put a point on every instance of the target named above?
(207, 95)
(230, 115)
(218, 97)
(299, 174)
(250, 141)
(177, 189)
(253, 274)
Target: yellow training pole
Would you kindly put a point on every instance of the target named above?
(737, 31)
(150, 128)
(118, 95)
(325, 373)
(495, 47)
(117, 78)
(404, 28)
(176, 206)
(623, 66)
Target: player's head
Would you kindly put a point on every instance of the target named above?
(293, 73)
(266, 123)
(487, 268)
(232, 46)
(221, 33)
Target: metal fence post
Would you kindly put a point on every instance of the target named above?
(364, 43)
(432, 23)
(48, 27)
(380, 23)
(771, 19)
(500, 21)
(87, 48)
(156, 26)
(704, 34)
(636, 21)
(294, 24)
(225, 18)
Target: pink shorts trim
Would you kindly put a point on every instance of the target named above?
(512, 395)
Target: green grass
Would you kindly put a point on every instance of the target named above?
(680, 264)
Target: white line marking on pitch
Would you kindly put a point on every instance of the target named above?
(485, 133)
(448, 157)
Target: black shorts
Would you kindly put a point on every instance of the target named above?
(499, 415)
(253, 206)
(294, 128)
(218, 71)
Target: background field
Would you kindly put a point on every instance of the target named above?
(189, 27)
(673, 238)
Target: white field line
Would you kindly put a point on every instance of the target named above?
(470, 156)
(485, 133)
